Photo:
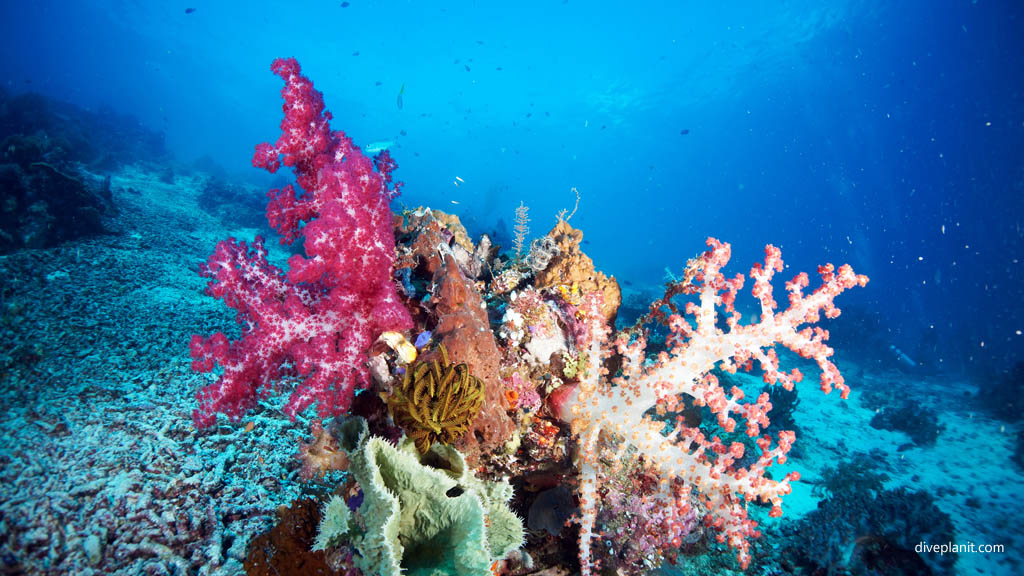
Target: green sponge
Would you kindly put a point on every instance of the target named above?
(421, 514)
(334, 523)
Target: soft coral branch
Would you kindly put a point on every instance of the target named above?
(620, 406)
(319, 318)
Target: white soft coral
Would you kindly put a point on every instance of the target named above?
(619, 406)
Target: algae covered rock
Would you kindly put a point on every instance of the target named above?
(421, 514)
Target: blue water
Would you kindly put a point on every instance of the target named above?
(886, 135)
(848, 131)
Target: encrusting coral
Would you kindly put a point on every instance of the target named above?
(569, 266)
(421, 514)
(436, 401)
(454, 225)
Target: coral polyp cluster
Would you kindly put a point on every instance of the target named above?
(436, 401)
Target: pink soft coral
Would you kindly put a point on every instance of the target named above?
(319, 319)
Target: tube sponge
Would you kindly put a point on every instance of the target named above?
(423, 514)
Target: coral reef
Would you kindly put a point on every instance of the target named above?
(865, 532)
(555, 402)
(919, 422)
(640, 443)
(1002, 394)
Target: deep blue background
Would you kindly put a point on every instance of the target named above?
(887, 135)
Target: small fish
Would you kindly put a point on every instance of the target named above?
(356, 53)
(402, 132)
(345, 4)
(684, 131)
(189, 10)
(401, 91)
(466, 66)
(377, 83)
(460, 180)
(378, 147)
(455, 201)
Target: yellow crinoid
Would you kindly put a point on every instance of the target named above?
(436, 401)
